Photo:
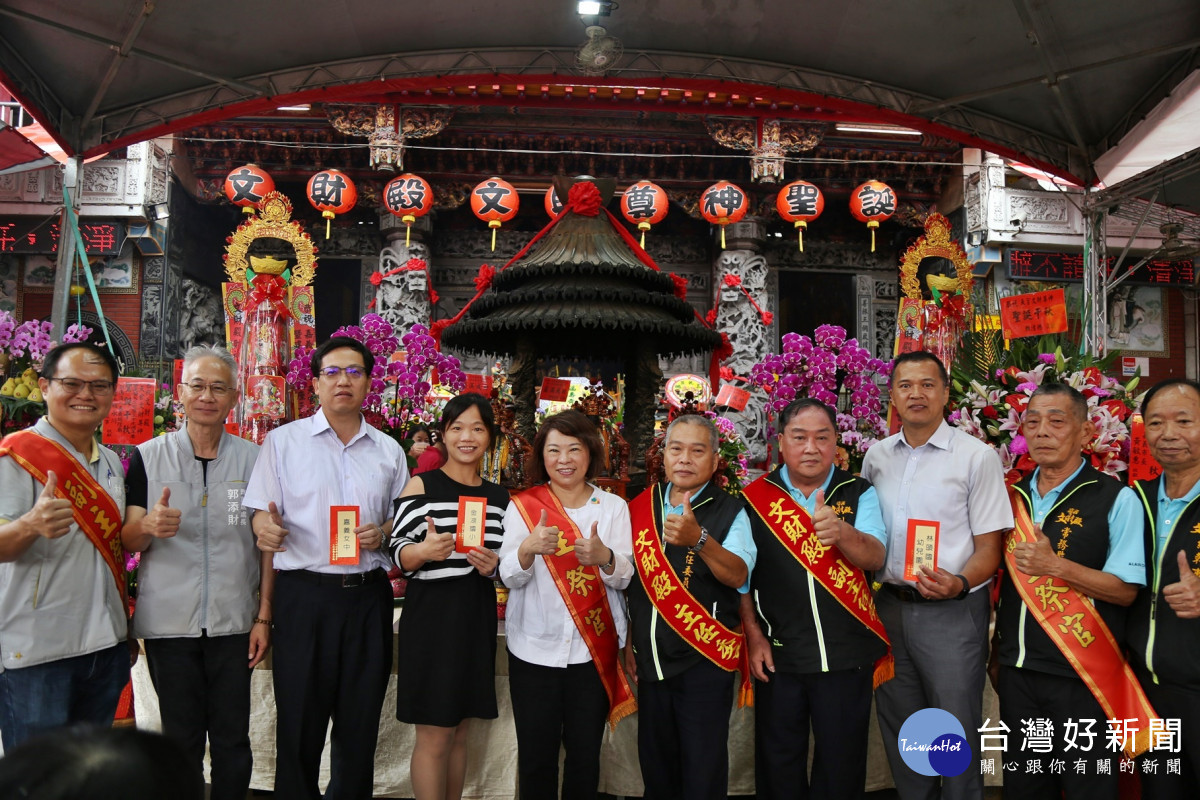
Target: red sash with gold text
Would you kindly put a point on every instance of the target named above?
(586, 597)
(95, 512)
(686, 615)
(793, 527)
(1081, 635)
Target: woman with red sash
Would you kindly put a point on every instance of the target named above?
(445, 537)
(566, 557)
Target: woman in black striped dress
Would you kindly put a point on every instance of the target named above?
(447, 634)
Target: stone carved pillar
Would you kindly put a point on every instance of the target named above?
(403, 299)
(741, 322)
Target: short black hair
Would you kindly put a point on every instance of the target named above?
(1167, 384)
(50, 362)
(917, 356)
(337, 343)
(460, 404)
(569, 423)
(1050, 388)
(803, 404)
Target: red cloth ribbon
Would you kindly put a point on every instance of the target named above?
(270, 289)
(484, 279)
(584, 198)
(680, 286)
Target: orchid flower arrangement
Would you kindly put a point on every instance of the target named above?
(835, 370)
(396, 400)
(990, 400)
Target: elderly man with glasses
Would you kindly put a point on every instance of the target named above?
(204, 589)
(63, 618)
(322, 493)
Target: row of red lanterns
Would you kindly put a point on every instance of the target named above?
(495, 201)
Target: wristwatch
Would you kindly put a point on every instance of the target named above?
(612, 559)
(966, 590)
(699, 545)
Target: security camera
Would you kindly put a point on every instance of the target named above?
(1018, 220)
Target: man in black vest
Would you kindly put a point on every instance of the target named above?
(684, 699)
(815, 663)
(1164, 623)
(1088, 536)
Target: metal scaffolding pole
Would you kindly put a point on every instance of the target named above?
(1095, 284)
(66, 249)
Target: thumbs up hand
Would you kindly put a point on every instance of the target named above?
(436, 546)
(163, 521)
(541, 541)
(1037, 558)
(51, 516)
(682, 529)
(1184, 597)
(590, 550)
(269, 530)
(826, 523)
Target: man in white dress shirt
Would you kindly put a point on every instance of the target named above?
(333, 621)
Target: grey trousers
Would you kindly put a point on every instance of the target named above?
(941, 654)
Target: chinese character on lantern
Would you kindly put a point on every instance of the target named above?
(247, 186)
(408, 196)
(800, 202)
(331, 192)
(554, 206)
(495, 202)
(872, 203)
(723, 204)
(644, 204)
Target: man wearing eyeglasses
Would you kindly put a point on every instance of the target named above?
(322, 493)
(201, 612)
(63, 631)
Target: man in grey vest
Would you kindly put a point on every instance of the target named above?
(204, 599)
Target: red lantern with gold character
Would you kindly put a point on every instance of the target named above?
(553, 205)
(873, 202)
(247, 186)
(723, 204)
(495, 202)
(331, 192)
(408, 196)
(644, 204)
(800, 202)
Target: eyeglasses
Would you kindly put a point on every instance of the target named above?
(353, 373)
(218, 390)
(75, 386)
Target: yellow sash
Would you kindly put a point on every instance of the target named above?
(686, 615)
(1081, 635)
(95, 512)
(793, 527)
(586, 597)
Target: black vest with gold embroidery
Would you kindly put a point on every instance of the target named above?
(1077, 527)
(715, 510)
(808, 629)
(1163, 647)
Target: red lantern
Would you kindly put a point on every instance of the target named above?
(495, 202)
(644, 204)
(408, 196)
(723, 204)
(872, 203)
(800, 202)
(331, 192)
(247, 186)
(553, 205)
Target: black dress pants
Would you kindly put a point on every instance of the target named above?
(683, 733)
(555, 706)
(333, 654)
(838, 705)
(203, 687)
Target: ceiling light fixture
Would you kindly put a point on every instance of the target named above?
(894, 130)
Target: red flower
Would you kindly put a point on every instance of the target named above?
(990, 412)
(1018, 400)
(733, 280)
(1117, 409)
(584, 198)
(376, 278)
(680, 286)
(1093, 375)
